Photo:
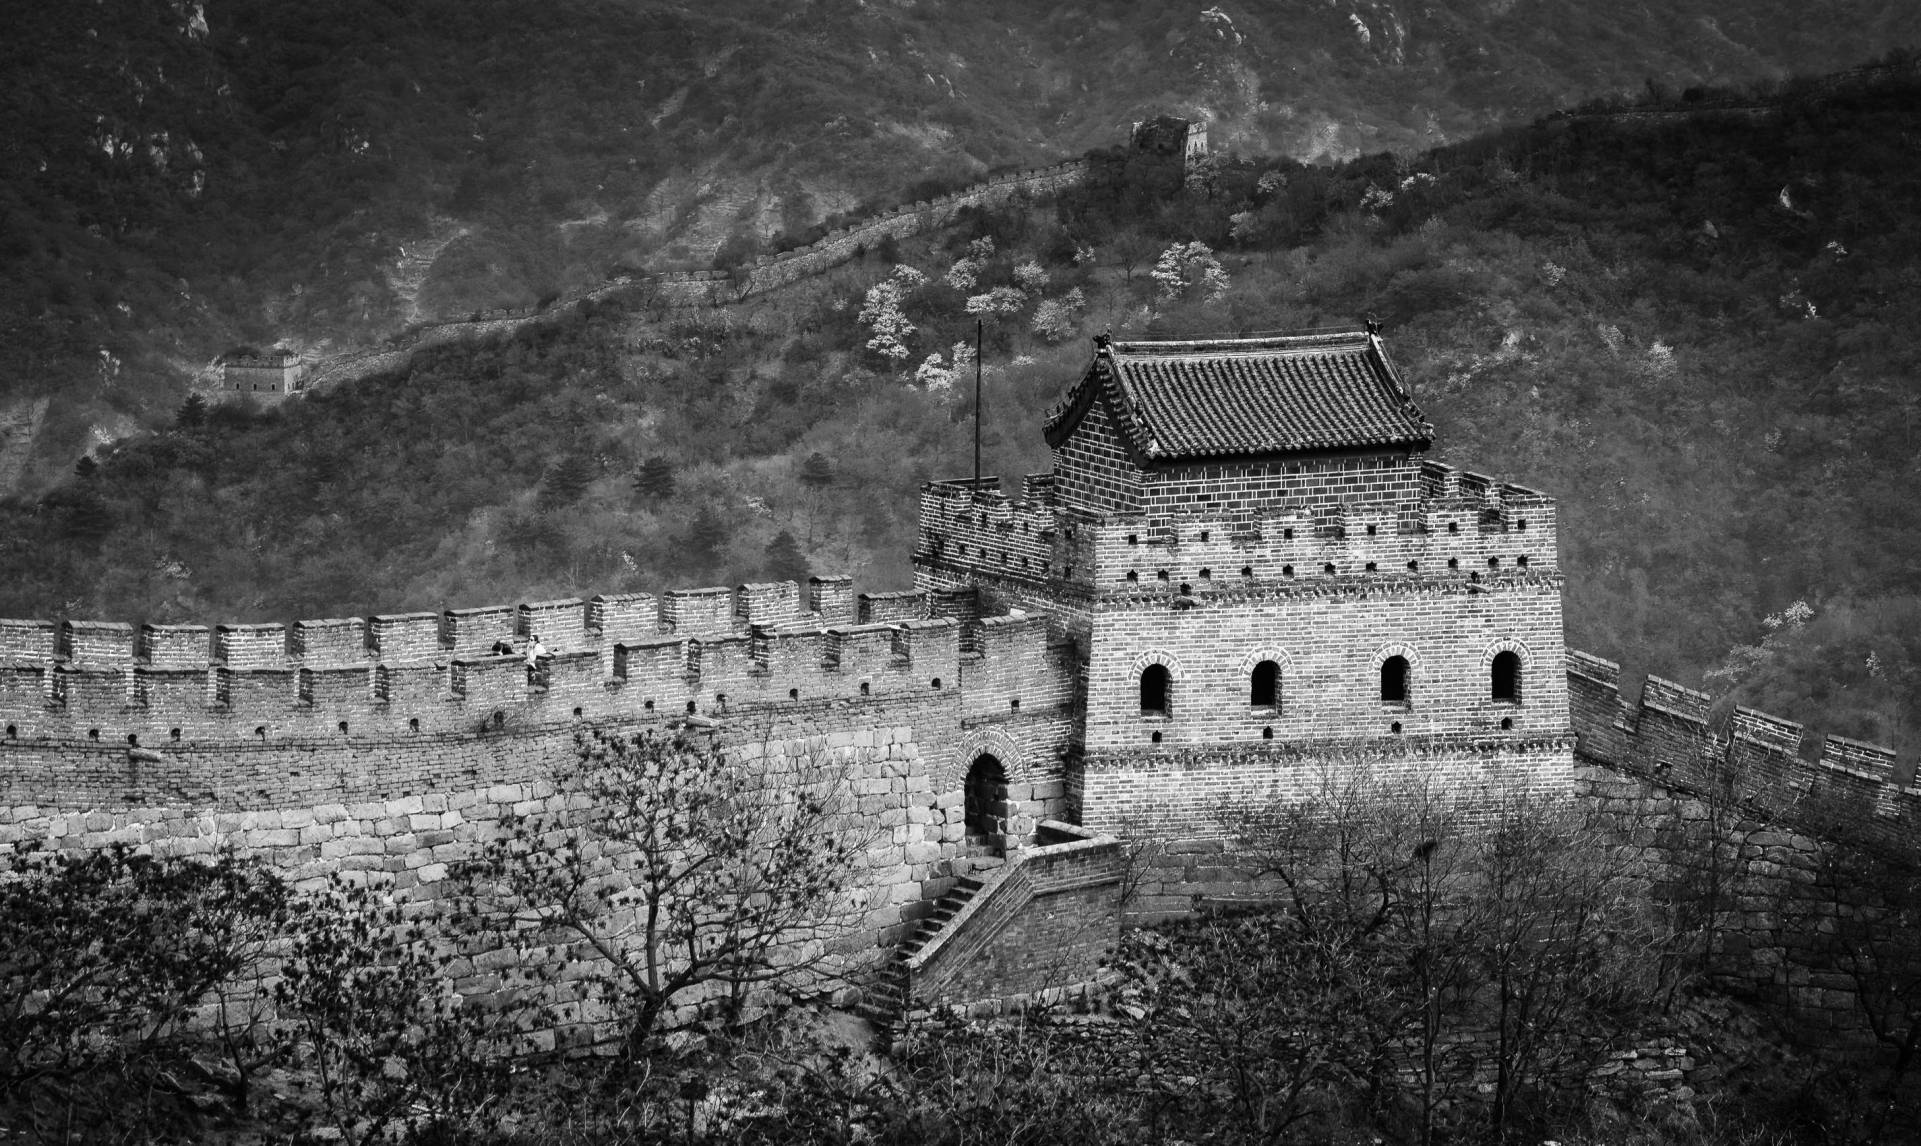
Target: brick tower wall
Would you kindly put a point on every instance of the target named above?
(1329, 643)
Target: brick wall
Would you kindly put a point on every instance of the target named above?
(1329, 640)
(1093, 469)
(1759, 763)
(980, 530)
(1179, 794)
(427, 673)
(1042, 923)
(1261, 487)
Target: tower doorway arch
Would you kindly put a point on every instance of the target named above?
(986, 801)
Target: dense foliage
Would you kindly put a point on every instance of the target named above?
(1422, 972)
(180, 176)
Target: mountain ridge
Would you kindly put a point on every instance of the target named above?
(192, 176)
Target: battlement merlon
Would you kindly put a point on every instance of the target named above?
(1443, 491)
(1465, 527)
(1756, 761)
(410, 673)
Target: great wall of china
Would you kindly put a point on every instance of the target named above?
(395, 744)
(708, 288)
(389, 744)
(694, 288)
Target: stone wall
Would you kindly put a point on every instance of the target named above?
(1183, 799)
(408, 814)
(839, 246)
(232, 718)
(1752, 761)
(1041, 925)
(394, 744)
(1795, 867)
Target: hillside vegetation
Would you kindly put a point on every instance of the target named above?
(179, 177)
(1692, 330)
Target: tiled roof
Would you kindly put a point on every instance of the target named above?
(1235, 397)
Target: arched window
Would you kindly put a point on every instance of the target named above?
(1506, 683)
(1266, 691)
(1156, 683)
(1394, 680)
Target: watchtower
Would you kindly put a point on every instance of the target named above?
(1264, 577)
(1171, 135)
(268, 376)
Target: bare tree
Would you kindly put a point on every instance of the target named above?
(1482, 919)
(108, 960)
(1861, 906)
(366, 1004)
(1340, 855)
(1373, 885)
(671, 872)
(1562, 942)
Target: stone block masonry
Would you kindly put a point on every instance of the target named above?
(1039, 925)
(408, 814)
(1736, 825)
(1755, 762)
(323, 747)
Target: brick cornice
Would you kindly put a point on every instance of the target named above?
(1345, 587)
(1187, 757)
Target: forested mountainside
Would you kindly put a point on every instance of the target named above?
(1694, 329)
(179, 177)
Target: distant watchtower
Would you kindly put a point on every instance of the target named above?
(1170, 135)
(269, 376)
(1265, 577)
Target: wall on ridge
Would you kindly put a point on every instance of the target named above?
(710, 288)
(1773, 857)
(772, 271)
(1753, 763)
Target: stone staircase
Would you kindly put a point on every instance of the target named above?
(885, 1003)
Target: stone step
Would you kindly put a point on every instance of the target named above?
(884, 1002)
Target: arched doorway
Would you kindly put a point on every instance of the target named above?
(986, 801)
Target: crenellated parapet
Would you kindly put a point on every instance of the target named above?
(1752, 760)
(708, 650)
(971, 527)
(1464, 527)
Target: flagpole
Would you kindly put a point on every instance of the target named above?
(977, 402)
